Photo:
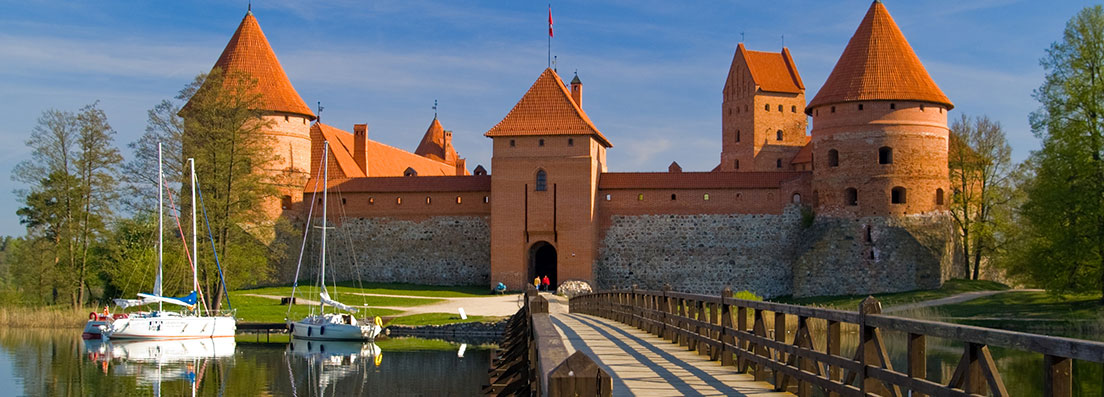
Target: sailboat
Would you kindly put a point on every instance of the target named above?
(161, 324)
(333, 325)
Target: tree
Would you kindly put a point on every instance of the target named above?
(96, 164)
(980, 161)
(1065, 201)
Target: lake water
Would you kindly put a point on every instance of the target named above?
(51, 362)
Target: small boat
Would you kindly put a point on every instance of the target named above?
(331, 326)
(160, 324)
(93, 328)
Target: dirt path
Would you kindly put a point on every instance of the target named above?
(963, 297)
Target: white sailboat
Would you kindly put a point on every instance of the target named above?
(161, 324)
(333, 325)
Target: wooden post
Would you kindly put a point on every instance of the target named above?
(780, 336)
(741, 325)
(834, 373)
(917, 358)
(869, 354)
(667, 334)
(578, 375)
(1057, 376)
(726, 327)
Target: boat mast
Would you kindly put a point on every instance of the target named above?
(195, 244)
(325, 201)
(160, 224)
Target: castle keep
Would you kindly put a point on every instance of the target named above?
(857, 205)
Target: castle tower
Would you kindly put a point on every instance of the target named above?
(762, 119)
(879, 128)
(288, 116)
(547, 156)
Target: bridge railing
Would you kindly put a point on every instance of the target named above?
(756, 338)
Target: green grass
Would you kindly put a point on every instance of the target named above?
(343, 295)
(403, 289)
(851, 302)
(1028, 305)
(265, 310)
(440, 319)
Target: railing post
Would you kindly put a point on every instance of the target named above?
(917, 358)
(726, 327)
(834, 372)
(666, 307)
(779, 356)
(868, 347)
(1058, 376)
(741, 342)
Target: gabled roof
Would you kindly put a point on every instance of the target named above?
(547, 109)
(878, 64)
(381, 159)
(248, 51)
(805, 155)
(433, 144)
(771, 71)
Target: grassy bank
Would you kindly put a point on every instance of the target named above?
(440, 319)
(44, 317)
(403, 289)
(851, 302)
(1030, 310)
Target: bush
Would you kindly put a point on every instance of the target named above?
(747, 295)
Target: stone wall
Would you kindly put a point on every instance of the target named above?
(700, 253)
(443, 250)
(849, 256)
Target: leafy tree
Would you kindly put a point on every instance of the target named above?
(980, 161)
(1065, 201)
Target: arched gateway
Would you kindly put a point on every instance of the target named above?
(542, 262)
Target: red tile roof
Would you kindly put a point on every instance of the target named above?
(433, 144)
(805, 155)
(465, 183)
(694, 180)
(248, 51)
(547, 109)
(382, 160)
(771, 71)
(878, 64)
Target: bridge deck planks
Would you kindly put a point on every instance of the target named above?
(643, 364)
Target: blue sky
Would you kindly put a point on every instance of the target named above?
(652, 70)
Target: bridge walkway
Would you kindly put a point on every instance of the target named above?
(642, 364)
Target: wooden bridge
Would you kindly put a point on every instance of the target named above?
(637, 342)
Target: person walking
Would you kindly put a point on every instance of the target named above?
(536, 283)
(547, 283)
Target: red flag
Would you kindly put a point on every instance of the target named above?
(550, 21)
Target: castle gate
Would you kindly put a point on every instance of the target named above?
(542, 262)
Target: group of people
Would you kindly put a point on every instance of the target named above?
(542, 284)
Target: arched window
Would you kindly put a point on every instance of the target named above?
(793, 109)
(371, 201)
(833, 109)
(779, 108)
(410, 171)
(897, 196)
(778, 163)
(513, 143)
(673, 197)
(570, 141)
(540, 142)
(459, 200)
(766, 107)
(796, 199)
(939, 196)
(427, 200)
(885, 155)
(542, 181)
(833, 158)
(778, 135)
(851, 196)
(860, 106)
(609, 197)
(285, 202)
(398, 200)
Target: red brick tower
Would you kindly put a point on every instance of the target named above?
(879, 128)
(546, 162)
(762, 116)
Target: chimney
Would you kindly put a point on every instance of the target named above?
(577, 90)
(461, 167)
(360, 146)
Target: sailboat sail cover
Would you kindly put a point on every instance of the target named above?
(327, 301)
(188, 301)
(127, 303)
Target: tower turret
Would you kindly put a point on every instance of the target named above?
(879, 128)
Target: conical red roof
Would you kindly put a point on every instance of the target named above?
(878, 64)
(433, 144)
(248, 51)
(547, 109)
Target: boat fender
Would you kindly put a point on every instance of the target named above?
(92, 315)
(322, 330)
(291, 327)
(308, 331)
(379, 322)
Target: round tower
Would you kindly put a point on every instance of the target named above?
(879, 131)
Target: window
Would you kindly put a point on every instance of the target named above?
(766, 107)
(342, 201)
(897, 196)
(833, 109)
(512, 143)
(428, 200)
(778, 135)
(371, 201)
(921, 108)
(705, 197)
(885, 155)
(542, 181)
(486, 199)
(939, 196)
(892, 105)
(398, 200)
(736, 163)
(285, 118)
(673, 197)
(410, 171)
(860, 106)
(285, 202)
(737, 135)
(793, 109)
(833, 158)
(459, 200)
(796, 199)
(779, 108)
(570, 141)
(540, 143)
(778, 163)
(609, 197)
(640, 197)
(869, 234)
(851, 196)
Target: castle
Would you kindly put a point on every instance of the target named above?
(856, 206)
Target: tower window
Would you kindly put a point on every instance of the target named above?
(705, 197)
(939, 196)
(737, 135)
(736, 163)
(398, 200)
(796, 198)
(540, 142)
(892, 105)
(833, 109)
(851, 196)
(512, 143)
(459, 200)
(885, 155)
(285, 118)
(793, 109)
(371, 200)
(779, 108)
(342, 201)
(921, 108)
(428, 201)
(570, 141)
(640, 197)
(833, 158)
(766, 107)
(778, 163)
(897, 196)
(609, 197)
(486, 199)
(860, 106)
(778, 135)
(542, 181)
(673, 197)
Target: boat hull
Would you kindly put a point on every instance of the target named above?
(93, 330)
(172, 328)
(330, 331)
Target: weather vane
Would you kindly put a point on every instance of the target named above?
(320, 108)
(434, 108)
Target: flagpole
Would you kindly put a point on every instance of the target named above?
(549, 35)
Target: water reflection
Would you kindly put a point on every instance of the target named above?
(58, 362)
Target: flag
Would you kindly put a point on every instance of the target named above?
(550, 20)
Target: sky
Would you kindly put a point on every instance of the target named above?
(652, 70)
